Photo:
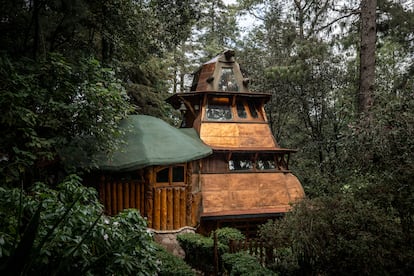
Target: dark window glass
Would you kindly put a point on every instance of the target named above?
(265, 163)
(253, 110)
(178, 174)
(241, 162)
(241, 111)
(218, 108)
(162, 176)
(228, 80)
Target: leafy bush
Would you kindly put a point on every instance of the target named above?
(171, 265)
(336, 236)
(64, 232)
(199, 251)
(243, 264)
(226, 234)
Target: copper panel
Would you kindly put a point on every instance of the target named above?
(237, 135)
(249, 192)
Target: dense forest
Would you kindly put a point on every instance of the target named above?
(341, 75)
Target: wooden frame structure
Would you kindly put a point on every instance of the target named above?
(243, 179)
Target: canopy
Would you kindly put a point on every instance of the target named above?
(151, 141)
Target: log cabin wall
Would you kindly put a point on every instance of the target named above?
(122, 191)
(162, 194)
(171, 196)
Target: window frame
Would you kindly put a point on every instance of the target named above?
(171, 176)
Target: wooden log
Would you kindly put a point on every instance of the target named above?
(183, 206)
(108, 206)
(101, 189)
(120, 196)
(170, 208)
(126, 195)
(148, 198)
(176, 215)
(141, 195)
(132, 195)
(113, 198)
(139, 201)
(157, 210)
(163, 209)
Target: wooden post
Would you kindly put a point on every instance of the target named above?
(163, 209)
(183, 206)
(132, 195)
(170, 208)
(215, 254)
(126, 195)
(108, 205)
(113, 198)
(102, 189)
(141, 196)
(176, 214)
(120, 196)
(157, 209)
(148, 197)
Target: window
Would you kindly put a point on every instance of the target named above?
(240, 162)
(219, 108)
(171, 175)
(248, 162)
(253, 109)
(178, 174)
(266, 162)
(163, 176)
(227, 80)
(241, 111)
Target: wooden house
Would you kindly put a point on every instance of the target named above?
(229, 171)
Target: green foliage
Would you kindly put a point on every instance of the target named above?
(53, 105)
(338, 235)
(69, 234)
(199, 251)
(243, 264)
(170, 264)
(227, 234)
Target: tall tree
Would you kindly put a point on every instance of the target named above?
(367, 55)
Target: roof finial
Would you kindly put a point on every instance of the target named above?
(229, 54)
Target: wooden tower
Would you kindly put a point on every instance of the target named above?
(247, 178)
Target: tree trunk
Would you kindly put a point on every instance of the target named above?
(367, 55)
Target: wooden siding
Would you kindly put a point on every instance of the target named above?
(237, 135)
(169, 208)
(249, 193)
(117, 195)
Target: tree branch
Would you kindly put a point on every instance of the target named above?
(338, 19)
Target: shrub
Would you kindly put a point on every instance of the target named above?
(336, 236)
(64, 232)
(199, 251)
(171, 265)
(243, 264)
(226, 234)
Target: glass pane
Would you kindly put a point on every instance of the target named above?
(178, 174)
(162, 176)
(263, 164)
(219, 109)
(240, 163)
(241, 111)
(228, 80)
(253, 110)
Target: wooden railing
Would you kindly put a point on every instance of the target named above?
(254, 247)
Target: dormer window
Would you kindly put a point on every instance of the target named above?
(227, 80)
